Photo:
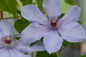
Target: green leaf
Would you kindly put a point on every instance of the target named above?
(3, 6)
(12, 5)
(75, 44)
(33, 44)
(71, 2)
(18, 12)
(25, 2)
(53, 55)
(59, 54)
(39, 3)
(62, 15)
(17, 38)
(9, 5)
(45, 54)
(21, 24)
(80, 22)
(83, 56)
(66, 43)
(42, 54)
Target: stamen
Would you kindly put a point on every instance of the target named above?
(53, 24)
(8, 40)
(53, 21)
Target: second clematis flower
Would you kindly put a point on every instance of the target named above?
(10, 47)
(53, 30)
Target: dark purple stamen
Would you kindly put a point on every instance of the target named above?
(7, 41)
(53, 24)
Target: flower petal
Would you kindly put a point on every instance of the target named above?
(38, 47)
(52, 41)
(52, 8)
(72, 15)
(15, 53)
(11, 53)
(33, 33)
(25, 48)
(1, 45)
(5, 28)
(72, 32)
(4, 53)
(33, 14)
(1, 35)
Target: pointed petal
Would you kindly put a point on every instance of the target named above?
(52, 8)
(72, 32)
(5, 28)
(15, 53)
(33, 33)
(33, 14)
(52, 42)
(39, 46)
(72, 15)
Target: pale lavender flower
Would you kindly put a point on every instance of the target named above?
(10, 47)
(52, 29)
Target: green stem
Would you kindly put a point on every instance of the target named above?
(32, 54)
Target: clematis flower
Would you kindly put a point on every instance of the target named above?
(52, 29)
(10, 47)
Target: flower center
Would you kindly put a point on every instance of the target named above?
(53, 24)
(8, 40)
